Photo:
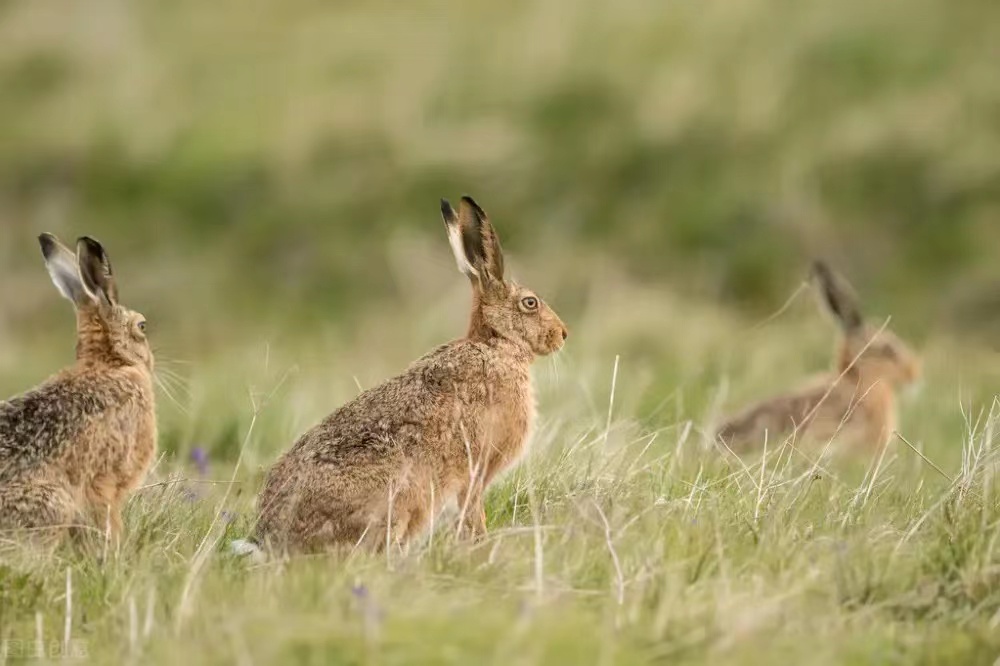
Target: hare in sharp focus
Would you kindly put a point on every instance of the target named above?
(379, 469)
(75, 447)
(855, 403)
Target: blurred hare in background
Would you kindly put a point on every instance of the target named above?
(855, 403)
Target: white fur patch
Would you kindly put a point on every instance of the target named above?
(66, 276)
(455, 239)
(246, 548)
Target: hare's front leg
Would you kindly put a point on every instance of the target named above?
(105, 506)
(879, 418)
(472, 514)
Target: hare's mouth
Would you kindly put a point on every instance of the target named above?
(555, 344)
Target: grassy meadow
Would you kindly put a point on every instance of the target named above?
(266, 179)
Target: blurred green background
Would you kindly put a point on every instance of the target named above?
(266, 175)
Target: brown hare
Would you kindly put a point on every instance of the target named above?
(854, 404)
(378, 470)
(75, 447)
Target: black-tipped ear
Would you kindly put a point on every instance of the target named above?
(448, 213)
(49, 244)
(482, 245)
(471, 218)
(63, 269)
(471, 203)
(474, 241)
(96, 271)
(838, 296)
(455, 238)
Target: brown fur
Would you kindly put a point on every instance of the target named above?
(75, 447)
(380, 468)
(855, 403)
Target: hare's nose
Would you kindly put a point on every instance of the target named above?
(565, 333)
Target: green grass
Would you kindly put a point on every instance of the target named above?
(622, 538)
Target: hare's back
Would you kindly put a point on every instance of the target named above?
(39, 425)
(387, 418)
(773, 418)
(424, 403)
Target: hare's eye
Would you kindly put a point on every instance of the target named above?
(141, 326)
(529, 303)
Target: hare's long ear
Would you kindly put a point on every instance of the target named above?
(474, 240)
(838, 296)
(63, 269)
(481, 239)
(456, 238)
(96, 272)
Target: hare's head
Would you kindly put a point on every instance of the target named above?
(872, 351)
(501, 308)
(107, 332)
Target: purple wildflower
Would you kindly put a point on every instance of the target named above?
(200, 458)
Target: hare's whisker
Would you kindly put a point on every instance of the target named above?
(174, 383)
(167, 392)
(172, 376)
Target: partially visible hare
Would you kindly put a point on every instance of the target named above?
(855, 403)
(72, 449)
(381, 467)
